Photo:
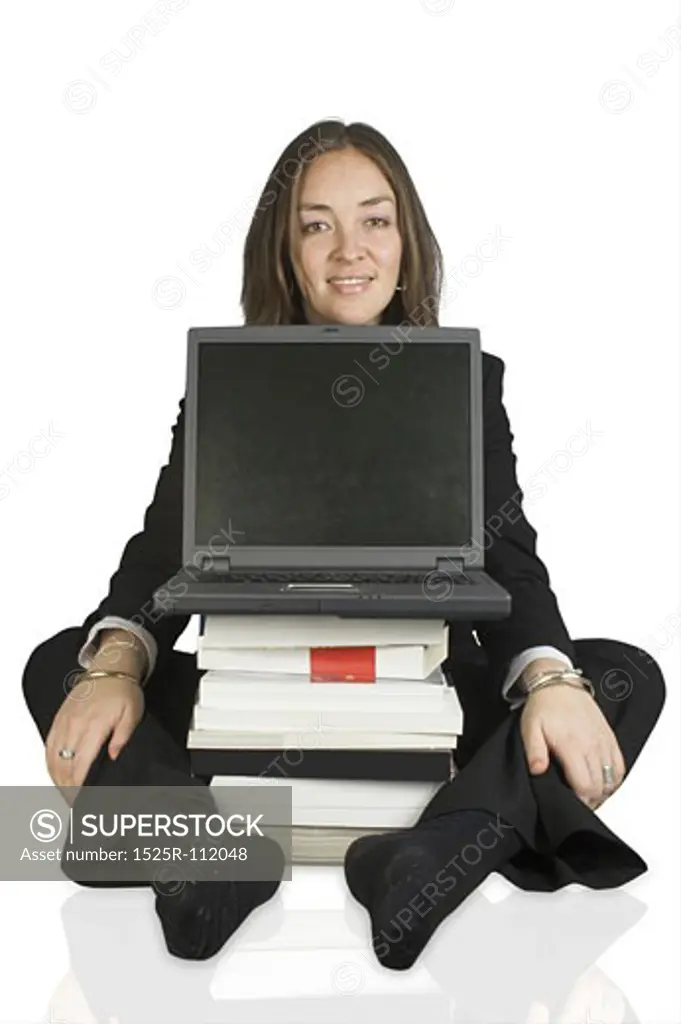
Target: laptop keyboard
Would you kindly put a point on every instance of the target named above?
(333, 576)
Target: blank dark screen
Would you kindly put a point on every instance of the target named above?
(334, 444)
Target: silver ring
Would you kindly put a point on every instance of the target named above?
(607, 775)
(67, 754)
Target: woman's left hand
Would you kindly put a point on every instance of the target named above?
(566, 720)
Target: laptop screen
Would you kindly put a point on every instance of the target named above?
(336, 444)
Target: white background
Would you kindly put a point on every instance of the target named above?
(554, 124)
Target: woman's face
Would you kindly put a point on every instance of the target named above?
(345, 227)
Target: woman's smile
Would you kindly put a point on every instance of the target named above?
(351, 285)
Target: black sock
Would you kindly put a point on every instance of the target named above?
(198, 920)
(435, 865)
(200, 916)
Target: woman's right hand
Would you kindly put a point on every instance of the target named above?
(93, 710)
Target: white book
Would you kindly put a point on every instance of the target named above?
(447, 718)
(313, 739)
(318, 631)
(309, 703)
(345, 817)
(399, 661)
(311, 845)
(356, 817)
(286, 815)
(229, 689)
(340, 793)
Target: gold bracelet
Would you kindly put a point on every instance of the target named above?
(552, 673)
(100, 673)
(583, 683)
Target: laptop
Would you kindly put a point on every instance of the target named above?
(333, 469)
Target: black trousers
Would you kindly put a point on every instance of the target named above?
(565, 841)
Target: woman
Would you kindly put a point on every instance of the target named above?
(340, 236)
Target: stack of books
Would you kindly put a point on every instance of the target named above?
(356, 716)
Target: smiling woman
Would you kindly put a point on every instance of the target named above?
(344, 240)
(341, 236)
(346, 246)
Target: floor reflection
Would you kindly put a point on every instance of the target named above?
(528, 958)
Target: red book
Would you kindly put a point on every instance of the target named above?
(343, 664)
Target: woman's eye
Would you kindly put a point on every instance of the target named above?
(308, 229)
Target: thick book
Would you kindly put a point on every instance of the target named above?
(341, 794)
(330, 739)
(283, 818)
(355, 817)
(330, 803)
(313, 845)
(261, 717)
(233, 689)
(307, 703)
(398, 661)
(278, 762)
(318, 631)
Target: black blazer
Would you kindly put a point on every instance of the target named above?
(154, 555)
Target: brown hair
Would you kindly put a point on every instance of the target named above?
(270, 292)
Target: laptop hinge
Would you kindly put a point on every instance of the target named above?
(448, 564)
(214, 564)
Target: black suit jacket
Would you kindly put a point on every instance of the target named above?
(154, 555)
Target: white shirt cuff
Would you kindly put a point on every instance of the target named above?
(520, 663)
(87, 651)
